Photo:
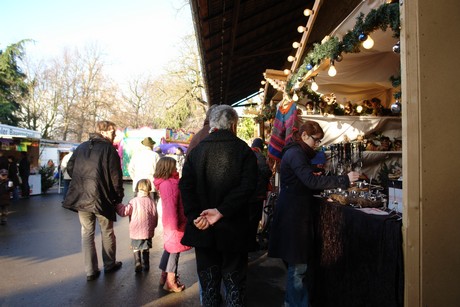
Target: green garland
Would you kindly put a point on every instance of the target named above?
(384, 17)
(268, 112)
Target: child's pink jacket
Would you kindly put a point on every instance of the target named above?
(173, 217)
(143, 218)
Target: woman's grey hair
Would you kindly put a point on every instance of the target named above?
(223, 117)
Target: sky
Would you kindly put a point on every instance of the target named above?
(137, 37)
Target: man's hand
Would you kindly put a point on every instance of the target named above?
(211, 215)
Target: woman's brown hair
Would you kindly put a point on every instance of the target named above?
(165, 167)
(310, 127)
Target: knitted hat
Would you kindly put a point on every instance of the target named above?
(259, 143)
(3, 171)
(148, 142)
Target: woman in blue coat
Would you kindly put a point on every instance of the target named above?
(291, 235)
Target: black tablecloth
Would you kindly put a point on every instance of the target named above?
(359, 260)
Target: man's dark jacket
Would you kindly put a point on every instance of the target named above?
(97, 179)
(220, 172)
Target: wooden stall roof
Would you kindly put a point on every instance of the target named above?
(240, 39)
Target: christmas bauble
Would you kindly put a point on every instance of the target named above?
(396, 107)
(339, 58)
(397, 48)
(362, 37)
(309, 66)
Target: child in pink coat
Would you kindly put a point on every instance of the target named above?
(143, 220)
(166, 181)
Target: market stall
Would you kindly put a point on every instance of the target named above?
(15, 140)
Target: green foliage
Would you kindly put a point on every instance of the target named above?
(245, 130)
(268, 112)
(12, 83)
(47, 177)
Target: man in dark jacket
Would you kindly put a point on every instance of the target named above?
(218, 178)
(95, 189)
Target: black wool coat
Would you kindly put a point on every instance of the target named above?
(97, 179)
(292, 231)
(220, 172)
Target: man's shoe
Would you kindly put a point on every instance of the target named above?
(93, 276)
(115, 267)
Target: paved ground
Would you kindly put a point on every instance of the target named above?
(41, 264)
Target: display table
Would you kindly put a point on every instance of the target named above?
(359, 260)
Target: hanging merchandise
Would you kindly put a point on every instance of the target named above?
(285, 120)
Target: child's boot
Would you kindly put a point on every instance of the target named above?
(146, 260)
(172, 283)
(137, 261)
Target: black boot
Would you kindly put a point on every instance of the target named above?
(146, 260)
(137, 261)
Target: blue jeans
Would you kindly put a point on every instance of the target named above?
(88, 227)
(296, 286)
(66, 187)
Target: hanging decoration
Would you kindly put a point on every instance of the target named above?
(384, 17)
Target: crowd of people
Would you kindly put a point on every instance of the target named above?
(211, 200)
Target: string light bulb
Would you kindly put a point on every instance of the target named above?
(291, 58)
(296, 45)
(359, 109)
(295, 97)
(332, 71)
(301, 29)
(286, 71)
(263, 82)
(314, 85)
(308, 12)
(368, 43)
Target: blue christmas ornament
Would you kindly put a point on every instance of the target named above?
(362, 37)
(309, 66)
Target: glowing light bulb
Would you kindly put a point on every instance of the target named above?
(314, 86)
(332, 71)
(296, 45)
(295, 97)
(286, 71)
(263, 82)
(368, 43)
(359, 109)
(307, 12)
(291, 58)
(301, 29)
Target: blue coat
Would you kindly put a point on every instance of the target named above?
(292, 231)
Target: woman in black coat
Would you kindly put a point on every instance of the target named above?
(291, 235)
